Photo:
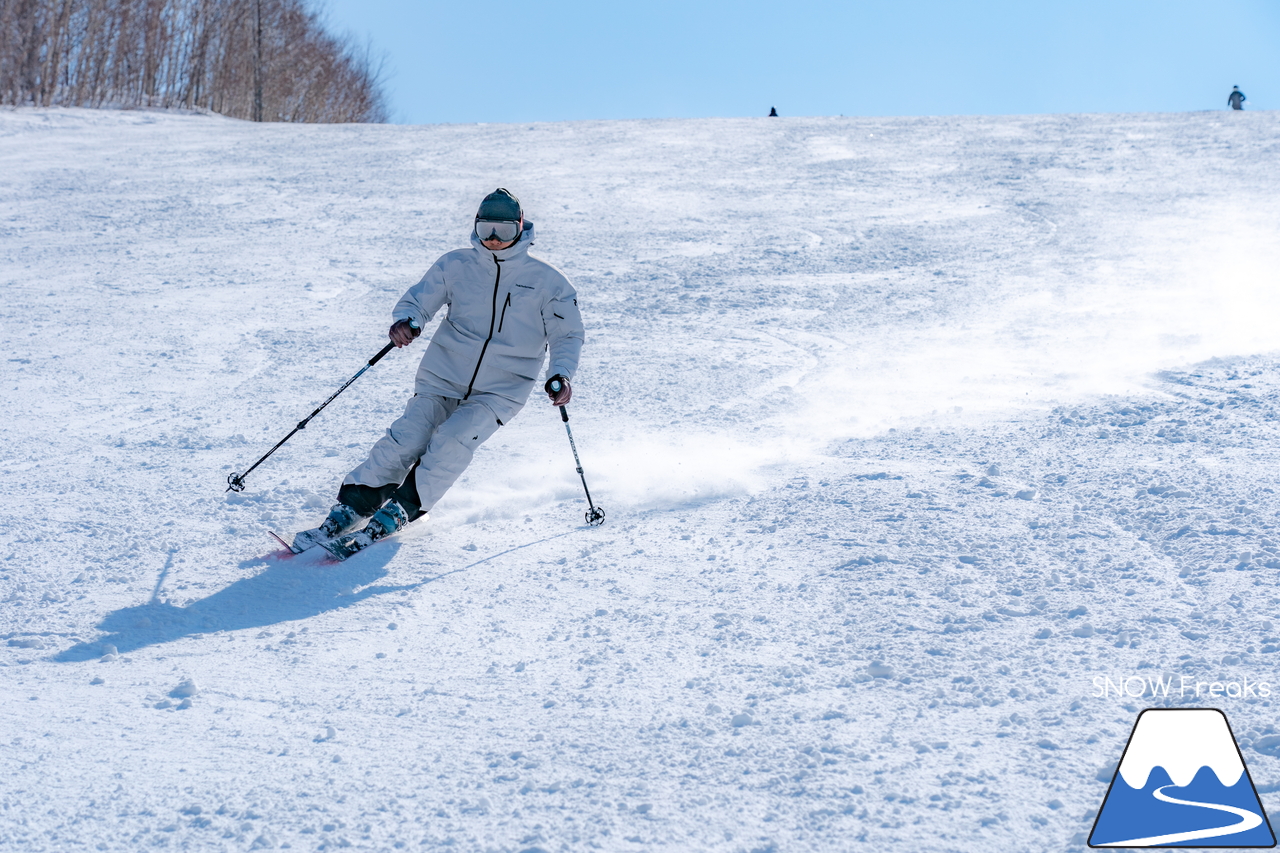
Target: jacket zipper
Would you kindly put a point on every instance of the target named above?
(505, 306)
(493, 316)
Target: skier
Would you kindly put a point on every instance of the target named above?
(1236, 99)
(506, 308)
(773, 112)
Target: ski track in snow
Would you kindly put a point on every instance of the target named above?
(906, 430)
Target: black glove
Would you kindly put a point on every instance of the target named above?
(563, 395)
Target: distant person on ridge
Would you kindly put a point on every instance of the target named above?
(1236, 99)
(773, 112)
(505, 309)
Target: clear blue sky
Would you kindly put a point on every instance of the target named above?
(554, 60)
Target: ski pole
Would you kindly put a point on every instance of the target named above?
(595, 515)
(235, 482)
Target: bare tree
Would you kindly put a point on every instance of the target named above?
(263, 60)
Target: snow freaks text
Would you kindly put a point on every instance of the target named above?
(1180, 686)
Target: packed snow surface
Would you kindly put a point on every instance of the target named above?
(930, 447)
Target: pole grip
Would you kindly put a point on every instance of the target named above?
(554, 386)
(388, 348)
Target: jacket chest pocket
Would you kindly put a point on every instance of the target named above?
(502, 318)
(516, 308)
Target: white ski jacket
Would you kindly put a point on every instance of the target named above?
(506, 309)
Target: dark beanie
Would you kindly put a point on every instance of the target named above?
(500, 205)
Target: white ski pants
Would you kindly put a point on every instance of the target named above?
(439, 433)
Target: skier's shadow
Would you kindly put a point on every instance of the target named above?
(288, 590)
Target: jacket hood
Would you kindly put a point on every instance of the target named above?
(520, 247)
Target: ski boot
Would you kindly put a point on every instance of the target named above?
(341, 519)
(385, 521)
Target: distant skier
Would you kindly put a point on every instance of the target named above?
(773, 112)
(1236, 99)
(505, 309)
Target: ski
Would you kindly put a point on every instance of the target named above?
(289, 549)
(342, 547)
(283, 543)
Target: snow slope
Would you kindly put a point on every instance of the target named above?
(907, 429)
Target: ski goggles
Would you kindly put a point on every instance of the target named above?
(504, 231)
